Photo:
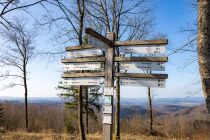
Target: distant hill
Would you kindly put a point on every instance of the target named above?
(163, 107)
(193, 101)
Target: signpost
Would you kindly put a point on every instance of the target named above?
(83, 58)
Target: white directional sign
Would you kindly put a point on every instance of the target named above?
(147, 66)
(107, 109)
(84, 53)
(143, 49)
(143, 82)
(82, 66)
(97, 43)
(107, 119)
(82, 81)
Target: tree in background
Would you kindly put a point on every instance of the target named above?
(1, 114)
(10, 6)
(90, 104)
(204, 47)
(71, 26)
(17, 54)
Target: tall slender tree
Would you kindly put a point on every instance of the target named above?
(204, 47)
(71, 21)
(18, 54)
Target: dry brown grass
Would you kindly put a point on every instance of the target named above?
(47, 123)
(20, 135)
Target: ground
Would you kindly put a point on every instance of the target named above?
(52, 136)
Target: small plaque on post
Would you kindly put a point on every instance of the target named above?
(108, 91)
(107, 119)
(107, 100)
(107, 109)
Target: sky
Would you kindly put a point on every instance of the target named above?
(171, 16)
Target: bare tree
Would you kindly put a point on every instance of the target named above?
(18, 54)
(10, 6)
(70, 25)
(204, 47)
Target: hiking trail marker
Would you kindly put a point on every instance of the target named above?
(99, 57)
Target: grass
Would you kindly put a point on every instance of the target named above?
(20, 135)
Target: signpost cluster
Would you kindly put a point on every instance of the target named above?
(99, 58)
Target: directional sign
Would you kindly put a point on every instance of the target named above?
(107, 109)
(93, 41)
(82, 81)
(160, 83)
(84, 53)
(107, 119)
(82, 66)
(147, 66)
(143, 49)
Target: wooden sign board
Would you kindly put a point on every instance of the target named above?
(107, 100)
(107, 109)
(146, 66)
(93, 41)
(142, 82)
(84, 53)
(82, 81)
(107, 119)
(109, 91)
(82, 66)
(143, 49)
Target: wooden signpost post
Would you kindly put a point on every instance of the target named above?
(82, 58)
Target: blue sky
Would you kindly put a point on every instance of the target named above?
(171, 16)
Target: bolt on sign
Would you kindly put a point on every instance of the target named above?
(91, 57)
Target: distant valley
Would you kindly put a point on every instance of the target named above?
(163, 107)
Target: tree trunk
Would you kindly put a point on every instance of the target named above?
(26, 97)
(86, 105)
(204, 47)
(150, 110)
(1, 114)
(81, 9)
(117, 113)
(80, 117)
